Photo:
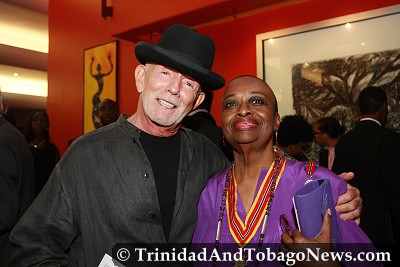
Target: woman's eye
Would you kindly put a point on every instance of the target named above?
(230, 104)
(257, 101)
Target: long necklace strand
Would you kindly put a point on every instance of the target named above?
(229, 177)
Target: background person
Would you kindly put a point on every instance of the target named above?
(372, 152)
(45, 153)
(17, 189)
(294, 137)
(201, 121)
(108, 111)
(327, 132)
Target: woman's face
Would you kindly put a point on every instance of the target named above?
(249, 112)
(40, 122)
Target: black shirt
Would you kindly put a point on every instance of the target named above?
(163, 154)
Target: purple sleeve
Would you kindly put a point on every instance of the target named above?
(207, 214)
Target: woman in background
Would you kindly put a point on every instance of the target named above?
(45, 154)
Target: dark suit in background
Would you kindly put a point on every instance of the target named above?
(323, 158)
(372, 152)
(200, 120)
(17, 183)
(203, 122)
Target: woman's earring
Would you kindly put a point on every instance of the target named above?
(276, 136)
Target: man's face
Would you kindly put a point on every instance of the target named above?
(108, 112)
(319, 136)
(167, 95)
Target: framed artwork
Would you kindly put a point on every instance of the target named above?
(100, 81)
(319, 69)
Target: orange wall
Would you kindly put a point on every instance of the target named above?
(75, 25)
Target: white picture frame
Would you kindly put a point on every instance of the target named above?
(278, 51)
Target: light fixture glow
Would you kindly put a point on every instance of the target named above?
(30, 31)
(348, 25)
(30, 82)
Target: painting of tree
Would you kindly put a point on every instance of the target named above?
(331, 87)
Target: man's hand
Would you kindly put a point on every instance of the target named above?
(347, 176)
(350, 203)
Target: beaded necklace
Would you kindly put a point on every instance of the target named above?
(278, 163)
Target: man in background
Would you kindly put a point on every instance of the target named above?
(372, 152)
(17, 184)
(200, 120)
(108, 111)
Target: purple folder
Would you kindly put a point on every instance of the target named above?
(310, 203)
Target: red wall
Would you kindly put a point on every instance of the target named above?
(75, 25)
(236, 40)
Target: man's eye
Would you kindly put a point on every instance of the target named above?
(188, 84)
(165, 72)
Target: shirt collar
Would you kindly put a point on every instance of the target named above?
(371, 119)
(197, 111)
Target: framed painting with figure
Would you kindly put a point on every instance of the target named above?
(319, 69)
(100, 81)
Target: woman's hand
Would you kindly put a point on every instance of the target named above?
(296, 242)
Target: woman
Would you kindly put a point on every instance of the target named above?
(45, 154)
(327, 132)
(232, 208)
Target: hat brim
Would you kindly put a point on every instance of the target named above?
(149, 52)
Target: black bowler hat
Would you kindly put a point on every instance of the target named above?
(186, 51)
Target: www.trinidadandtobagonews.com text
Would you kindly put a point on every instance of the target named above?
(248, 254)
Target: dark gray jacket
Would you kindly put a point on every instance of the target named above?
(103, 192)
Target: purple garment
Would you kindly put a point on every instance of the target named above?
(292, 178)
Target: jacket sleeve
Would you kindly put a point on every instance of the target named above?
(46, 231)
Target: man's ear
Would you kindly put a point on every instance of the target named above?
(199, 100)
(140, 74)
